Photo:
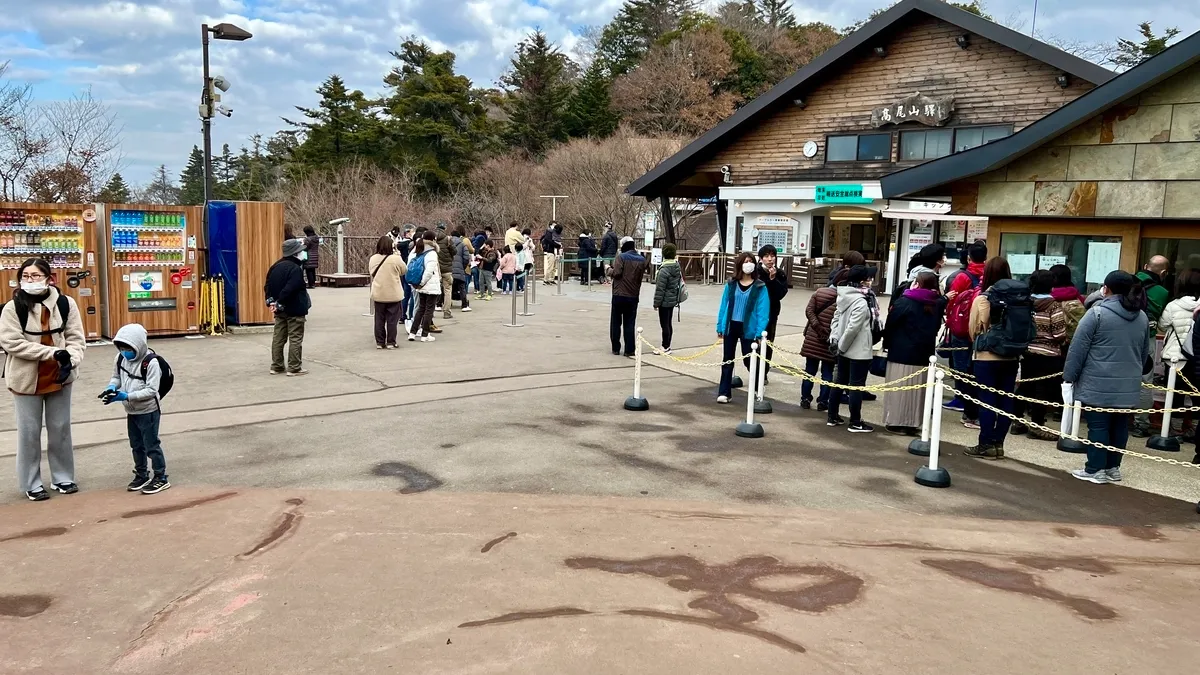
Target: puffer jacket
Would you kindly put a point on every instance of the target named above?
(852, 324)
(1176, 323)
(462, 259)
(431, 283)
(25, 352)
(445, 252)
(819, 313)
(1107, 356)
(666, 284)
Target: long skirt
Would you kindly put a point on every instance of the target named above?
(903, 408)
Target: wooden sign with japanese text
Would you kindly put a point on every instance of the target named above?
(932, 112)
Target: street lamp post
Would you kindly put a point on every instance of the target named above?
(553, 205)
(221, 31)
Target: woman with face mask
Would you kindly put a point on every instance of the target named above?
(853, 333)
(745, 309)
(42, 335)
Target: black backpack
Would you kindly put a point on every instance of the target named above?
(1012, 327)
(167, 378)
(64, 310)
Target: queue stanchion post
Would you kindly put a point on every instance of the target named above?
(920, 446)
(933, 475)
(750, 428)
(1070, 444)
(761, 405)
(533, 282)
(637, 402)
(525, 295)
(513, 295)
(589, 275)
(1164, 441)
(559, 274)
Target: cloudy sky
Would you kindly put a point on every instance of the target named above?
(143, 56)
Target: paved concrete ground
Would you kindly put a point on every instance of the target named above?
(366, 491)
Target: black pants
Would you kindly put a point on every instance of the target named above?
(143, 438)
(387, 315)
(733, 337)
(774, 320)
(1050, 389)
(312, 276)
(665, 314)
(622, 322)
(460, 289)
(854, 373)
(423, 319)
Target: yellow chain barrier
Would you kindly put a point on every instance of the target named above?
(687, 360)
(1056, 432)
(796, 371)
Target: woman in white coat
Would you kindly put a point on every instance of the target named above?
(1176, 322)
(428, 290)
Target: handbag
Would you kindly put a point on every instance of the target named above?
(879, 365)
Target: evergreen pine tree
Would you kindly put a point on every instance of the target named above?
(777, 13)
(114, 192)
(191, 181)
(538, 93)
(589, 112)
(627, 38)
(340, 129)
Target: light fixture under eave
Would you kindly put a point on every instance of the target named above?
(963, 40)
(853, 219)
(880, 51)
(1063, 80)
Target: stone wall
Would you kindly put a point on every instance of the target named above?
(1138, 160)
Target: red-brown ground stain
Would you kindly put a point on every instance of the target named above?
(1047, 564)
(720, 624)
(1066, 532)
(159, 510)
(526, 616)
(1143, 532)
(287, 525)
(1024, 583)
(498, 540)
(24, 606)
(36, 534)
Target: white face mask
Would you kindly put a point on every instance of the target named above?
(35, 287)
(748, 267)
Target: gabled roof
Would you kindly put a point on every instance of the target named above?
(678, 166)
(1173, 60)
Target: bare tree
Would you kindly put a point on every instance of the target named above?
(84, 150)
(501, 190)
(160, 190)
(21, 142)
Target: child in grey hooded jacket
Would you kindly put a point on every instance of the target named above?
(139, 394)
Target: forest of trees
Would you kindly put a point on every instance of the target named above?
(431, 144)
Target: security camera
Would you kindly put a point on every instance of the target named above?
(221, 83)
(727, 173)
(228, 112)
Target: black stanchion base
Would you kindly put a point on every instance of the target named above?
(1068, 445)
(737, 382)
(919, 448)
(1163, 443)
(763, 407)
(637, 404)
(749, 430)
(935, 478)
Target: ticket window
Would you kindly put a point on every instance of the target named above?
(1090, 257)
(1183, 254)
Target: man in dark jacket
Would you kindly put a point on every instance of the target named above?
(312, 245)
(461, 265)
(287, 295)
(627, 271)
(609, 243)
(777, 287)
(1157, 296)
(446, 263)
(587, 253)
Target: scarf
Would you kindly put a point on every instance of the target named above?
(1065, 293)
(922, 295)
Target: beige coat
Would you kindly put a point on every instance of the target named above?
(25, 351)
(385, 285)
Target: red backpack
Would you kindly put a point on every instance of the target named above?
(958, 316)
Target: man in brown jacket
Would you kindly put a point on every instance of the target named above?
(626, 272)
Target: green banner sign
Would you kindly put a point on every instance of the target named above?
(138, 294)
(841, 194)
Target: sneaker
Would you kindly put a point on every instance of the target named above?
(428, 338)
(1138, 432)
(894, 429)
(822, 407)
(38, 495)
(1018, 428)
(806, 403)
(722, 399)
(434, 329)
(488, 298)
(391, 347)
(984, 451)
(138, 483)
(616, 352)
(378, 346)
(412, 338)
(1041, 435)
(971, 424)
(277, 372)
(466, 309)
(297, 373)
(1099, 477)
(666, 351)
(954, 404)
(65, 488)
(867, 396)
(835, 421)
(860, 428)
(1114, 474)
(157, 485)
(447, 315)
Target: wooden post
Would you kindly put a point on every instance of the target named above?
(668, 219)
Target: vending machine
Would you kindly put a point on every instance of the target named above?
(152, 275)
(64, 235)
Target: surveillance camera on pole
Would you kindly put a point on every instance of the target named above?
(221, 83)
(228, 112)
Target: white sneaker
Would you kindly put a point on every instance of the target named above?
(1100, 477)
(722, 399)
(466, 309)
(411, 337)
(428, 338)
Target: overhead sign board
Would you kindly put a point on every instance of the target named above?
(841, 194)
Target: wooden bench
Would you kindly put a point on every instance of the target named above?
(343, 280)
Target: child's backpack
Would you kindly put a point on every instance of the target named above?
(1011, 327)
(416, 270)
(166, 378)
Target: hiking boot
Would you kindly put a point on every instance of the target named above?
(434, 329)
(1098, 477)
(157, 485)
(65, 488)
(985, 451)
(1114, 474)
(1018, 428)
(138, 483)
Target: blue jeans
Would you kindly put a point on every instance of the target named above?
(1002, 375)
(854, 373)
(506, 283)
(960, 360)
(1110, 429)
(143, 438)
(810, 366)
(407, 305)
(475, 279)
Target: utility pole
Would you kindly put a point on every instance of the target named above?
(553, 204)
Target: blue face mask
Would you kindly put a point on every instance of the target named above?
(129, 356)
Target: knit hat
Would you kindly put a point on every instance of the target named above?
(292, 247)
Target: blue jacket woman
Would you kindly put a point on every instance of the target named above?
(742, 318)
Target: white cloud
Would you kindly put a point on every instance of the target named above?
(143, 56)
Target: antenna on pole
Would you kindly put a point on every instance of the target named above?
(1033, 27)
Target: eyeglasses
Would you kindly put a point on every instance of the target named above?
(33, 277)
